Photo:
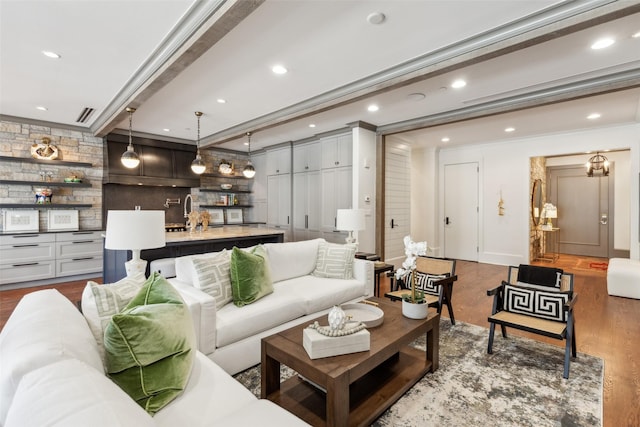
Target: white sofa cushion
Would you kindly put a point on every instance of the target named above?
(211, 394)
(292, 259)
(70, 393)
(213, 276)
(319, 293)
(261, 413)
(45, 327)
(100, 302)
(235, 323)
(335, 260)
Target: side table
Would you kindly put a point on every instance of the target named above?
(377, 271)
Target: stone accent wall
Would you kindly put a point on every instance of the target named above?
(73, 145)
(538, 171)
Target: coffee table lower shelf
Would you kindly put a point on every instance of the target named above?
(369, 396)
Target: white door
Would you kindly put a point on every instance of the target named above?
(397, 210)
(461, 211)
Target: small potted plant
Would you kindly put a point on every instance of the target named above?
(414, 305)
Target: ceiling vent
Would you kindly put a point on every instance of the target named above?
(85, 114)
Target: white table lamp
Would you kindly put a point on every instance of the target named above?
(350, 220)
(135, 230)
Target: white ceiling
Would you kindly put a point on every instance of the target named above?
(114, 54)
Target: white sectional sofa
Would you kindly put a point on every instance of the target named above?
(231, 335)
(51, 374)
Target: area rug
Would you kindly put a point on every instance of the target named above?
(586, 265)
(520, 384)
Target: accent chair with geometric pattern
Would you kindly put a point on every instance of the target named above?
(539, 300)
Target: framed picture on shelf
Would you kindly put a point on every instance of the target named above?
(234, 216)
(217, 216)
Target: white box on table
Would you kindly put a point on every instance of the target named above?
(318, 345)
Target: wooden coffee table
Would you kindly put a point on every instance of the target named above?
(359, 386)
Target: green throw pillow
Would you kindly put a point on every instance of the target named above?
(150, 345)
(250, 275)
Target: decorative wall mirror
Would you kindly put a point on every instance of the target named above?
(536, 202)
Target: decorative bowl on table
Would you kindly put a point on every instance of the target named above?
(226, 186)
(370, 315)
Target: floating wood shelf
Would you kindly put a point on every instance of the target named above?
(45, 162)
(45, 184)
(216, 190)
(45, 205)
(225, 206)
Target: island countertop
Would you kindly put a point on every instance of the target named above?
(221, 233)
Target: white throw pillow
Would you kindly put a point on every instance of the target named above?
(100, 302)
(292, 259)
(70, 393)
(213, 277)
(335, 261)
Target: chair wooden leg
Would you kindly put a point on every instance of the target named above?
(573, 340)
(492, 329)
(567, 359)
(450, 307)
(504, 331)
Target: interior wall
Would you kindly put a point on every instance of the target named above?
(424, 175)
(364, 185)
(505, 167)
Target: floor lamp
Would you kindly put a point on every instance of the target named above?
(135, 230)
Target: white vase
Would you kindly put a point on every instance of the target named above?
(414, 311)
(337, 318)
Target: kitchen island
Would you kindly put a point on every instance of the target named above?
(180, 243)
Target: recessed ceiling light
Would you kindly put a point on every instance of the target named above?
(221, 101)
(166, 130)
(636, 35)
(593, 116)
(373, 107)
(312, 125)
(509, 129)
(445, 139)
(457, 84)
(41, 108)
(602, 43)
(246, 143)
(376, 18)
(279, 69)
(50, 54)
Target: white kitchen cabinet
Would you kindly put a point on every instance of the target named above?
(279, 161)
(337, 151)
(279, 201)
(336, 191)
(27, 257)
(78, 252)
(307, 157)
(258, 197)
(306, 205)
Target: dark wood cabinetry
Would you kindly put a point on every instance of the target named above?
(162, 163)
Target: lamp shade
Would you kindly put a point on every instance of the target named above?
(135, 230)
(350, 220)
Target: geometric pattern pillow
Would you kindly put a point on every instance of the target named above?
(533, 302)
(425, 282)
(100, 302)
(335, 260)
(214, 277)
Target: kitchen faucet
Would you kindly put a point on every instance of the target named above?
(186, 213)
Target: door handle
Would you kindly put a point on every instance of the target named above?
(604, 219)
(446, 220)
(393, 224)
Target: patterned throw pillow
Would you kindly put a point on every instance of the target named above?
(335, 261)
(425, 282)
(214, 277)
(100, 302)
(533, 302)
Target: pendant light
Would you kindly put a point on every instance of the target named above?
(198, 166)
(598, 163)
(129, 158)
(249, 171)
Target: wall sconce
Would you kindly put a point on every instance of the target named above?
(129, 158)
(198, 166)
(598, 163)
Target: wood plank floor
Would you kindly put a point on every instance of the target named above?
(607, 327)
